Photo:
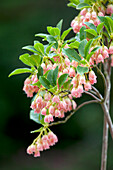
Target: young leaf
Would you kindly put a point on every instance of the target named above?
(40, 72)
(110, 21)
(44, 82)
(82, 33)
(20, 71)
(87, 47)
(65, 33)
(91, 31)
(90, 25)
(49, 48)
(55, 74)
(42, 35)
(66, 84)
(30, 48)
(62, 79)
(72, 54)
(106, 24)
(81, 47)
(81, 70)
(26, 59)
(71, 5)
(59, 25)
(74, 45)
(38, 118)
(83, 5)
(39, 47)
(36, 59)
(91, 53)
(50, 77)
(38, 130)
(99, 27)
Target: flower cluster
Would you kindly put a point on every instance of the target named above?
(99, 55)
(42, 143)
(86, 15)
(109, 9)
(28, 87)
(81, 81)
(50, 106)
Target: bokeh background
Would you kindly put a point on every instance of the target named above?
(79, 146)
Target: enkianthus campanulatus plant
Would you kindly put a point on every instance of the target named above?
(63, 69)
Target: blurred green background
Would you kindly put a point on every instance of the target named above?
(79, 146)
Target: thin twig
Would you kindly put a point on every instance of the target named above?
(92, 95)
(72, 113)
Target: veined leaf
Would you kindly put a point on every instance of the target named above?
(38, 118)
(83, 5)
(62, 79)
(81, 47)
(72, 54)
(55, 75)
(87, 47)
(30, 48)
(91, 31)
(26, 59)
(50, 77)
(20, 71)
(65, 33)
(81, 70)
(74, 45)
(40, 48)
(44, 82)
(99, 27)
(90, 25)
(82, 33)
(40, 72)
(59, 25)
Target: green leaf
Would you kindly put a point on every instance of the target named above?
(30, 48)
(65, 33)
(106, 24)
(44, 82)
(62, 79)
(50, 77)
(49, 48)
(77, 37)
(91, 53)
(38, 130)
(39, 47)
(53, 31)
(72, 54)
(66, 84)
(89, 36)
(90, 25)
(110, 21)
(42, 35)
(83, 5)
(26, 59)
(82, 33)
(40, 72)
(20, 71)
(36, 59)
(87, 47)
(100, 27)
(71, 5)
(55, 75)
(91, 31)
(81, 47)
(59, 25)
(38, 118)
(74, 45)
(38, 84)
(53, 89)
(81, 70)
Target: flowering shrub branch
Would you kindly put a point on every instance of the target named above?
(62, 70)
